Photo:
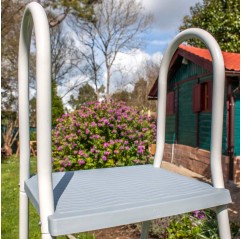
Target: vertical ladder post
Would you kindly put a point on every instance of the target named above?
(24, 134)
(34, 15)
(145, 229)
(217, 112)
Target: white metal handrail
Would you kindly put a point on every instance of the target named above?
(217, 101)
(35, 15)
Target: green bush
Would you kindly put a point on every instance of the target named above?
(183, 228)
(33, 135)
(196, 225)
(102, 135)
(209, 226)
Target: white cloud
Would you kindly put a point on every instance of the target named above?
(130, 67)
(168, 15)
(74, 82)
(158, 42)
(156, 57)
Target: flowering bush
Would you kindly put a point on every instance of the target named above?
(102, 135)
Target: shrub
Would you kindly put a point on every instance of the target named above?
(208, 225)
(102, 135)
(183, 228)
(179, 226)
(200, 224)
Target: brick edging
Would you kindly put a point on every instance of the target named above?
(198, 160)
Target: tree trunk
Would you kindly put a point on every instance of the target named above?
(9, 137)
(97, 95)
(108, 84)
(6, 150)
(96, 86)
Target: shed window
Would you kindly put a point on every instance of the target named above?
(170, 103)
(202, 97)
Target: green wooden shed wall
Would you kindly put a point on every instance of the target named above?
(187, 121)
(189, 91)
(190, 70)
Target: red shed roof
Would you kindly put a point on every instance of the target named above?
(231, 60)
(200, 57)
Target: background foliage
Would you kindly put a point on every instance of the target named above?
(57, 104)
(86, 93)
(221, 18)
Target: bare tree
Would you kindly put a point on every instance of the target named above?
(9, 131)
(11, 18)
(64, 56)
(11, 15)
(145, 78)
(117, 27)
(144, 85)
(86, 40)
(66, 64)
(80, 8)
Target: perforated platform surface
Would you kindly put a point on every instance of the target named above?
(93, 199)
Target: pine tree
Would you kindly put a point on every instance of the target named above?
(86, 94)
(57, 104)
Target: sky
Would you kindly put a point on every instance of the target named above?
(168, 15)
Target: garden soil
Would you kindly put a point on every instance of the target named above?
(130, 231)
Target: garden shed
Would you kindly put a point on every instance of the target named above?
(189, 107)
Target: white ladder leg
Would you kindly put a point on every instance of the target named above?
(23, 216)
(223, 222)
(47, 236)
(145, 229)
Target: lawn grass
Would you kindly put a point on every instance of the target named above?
(10, 203)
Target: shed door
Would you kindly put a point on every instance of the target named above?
(186, 116)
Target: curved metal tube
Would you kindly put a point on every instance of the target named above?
(217, 101)
(35, 15)
(217, 113)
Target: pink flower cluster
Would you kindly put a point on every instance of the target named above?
(102, 135)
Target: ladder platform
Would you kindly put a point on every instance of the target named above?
(93, 199)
